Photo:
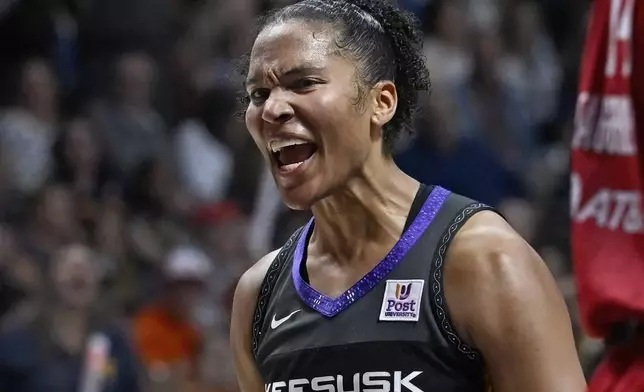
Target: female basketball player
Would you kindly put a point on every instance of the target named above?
(393, 285)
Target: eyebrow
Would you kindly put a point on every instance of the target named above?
(295, 71)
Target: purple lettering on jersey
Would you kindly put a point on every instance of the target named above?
(329, 306)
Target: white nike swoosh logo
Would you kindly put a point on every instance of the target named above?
(276, 323)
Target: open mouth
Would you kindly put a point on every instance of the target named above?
(291, 154)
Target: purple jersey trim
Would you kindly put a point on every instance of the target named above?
(329, 306)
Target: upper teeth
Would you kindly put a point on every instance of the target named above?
(277, 145)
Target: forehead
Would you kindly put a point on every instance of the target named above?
(286, 45)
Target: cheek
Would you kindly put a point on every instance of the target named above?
(349, 123)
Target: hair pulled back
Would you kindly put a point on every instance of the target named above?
(385, 41)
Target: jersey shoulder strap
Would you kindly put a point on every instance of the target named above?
(460, 209)
(268, 283)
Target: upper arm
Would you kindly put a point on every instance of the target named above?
(506, 304)
(244, 303)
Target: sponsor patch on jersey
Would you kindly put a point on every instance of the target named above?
(401, 301)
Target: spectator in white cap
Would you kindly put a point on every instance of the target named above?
(167, 341)
(187, 264)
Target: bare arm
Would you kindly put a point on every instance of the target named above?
(241, 324)
(506, 304)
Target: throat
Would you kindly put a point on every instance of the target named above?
(359, 227)
(333, 279)
(69, 331)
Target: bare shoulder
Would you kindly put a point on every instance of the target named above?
(249, 284)
(488, 260)
(504, 302)
(487, 243)
(483, 227)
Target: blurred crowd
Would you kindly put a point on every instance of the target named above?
(132, 198)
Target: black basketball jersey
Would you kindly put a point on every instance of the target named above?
(390, 332)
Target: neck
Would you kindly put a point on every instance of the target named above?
(45, 113)
(371, 209)
(173, 310)
(72, 318)
(69, 327)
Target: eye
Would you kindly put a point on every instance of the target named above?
(304, 84)
(258, 96)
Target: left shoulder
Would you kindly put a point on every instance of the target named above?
(504, 301)
(490, 264)
(486, 241)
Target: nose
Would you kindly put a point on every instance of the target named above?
(277, 109)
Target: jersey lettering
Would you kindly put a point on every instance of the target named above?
(607, 208)
(619, 38)
(397, 381)
(605, 125)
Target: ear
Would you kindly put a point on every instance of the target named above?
(385, 101)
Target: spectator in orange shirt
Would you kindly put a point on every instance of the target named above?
(167, 341)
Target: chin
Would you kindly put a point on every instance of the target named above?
(297, 202)
(300, 198)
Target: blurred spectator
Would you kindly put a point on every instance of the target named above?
(109, 233)
(53, 222)
(165, 335)
(448, 57)
(531, 65)
(10, 293)
(203, 147)
(22, 285)
(129, 125)
(224, 232)
(216, 28)
(31, 28)
(81, 165)
(441, 154)
(484, 15)
(491, 109)
(28, 131)
(522, 216)
(110, 241)
(49, 352)
(109, 28)
(225, 229)
(80, 160)
(158, 210)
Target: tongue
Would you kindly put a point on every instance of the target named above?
(296, 154)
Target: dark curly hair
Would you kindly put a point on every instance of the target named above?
(385, 41)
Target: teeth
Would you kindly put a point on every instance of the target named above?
(291, 167)
(277, 145)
